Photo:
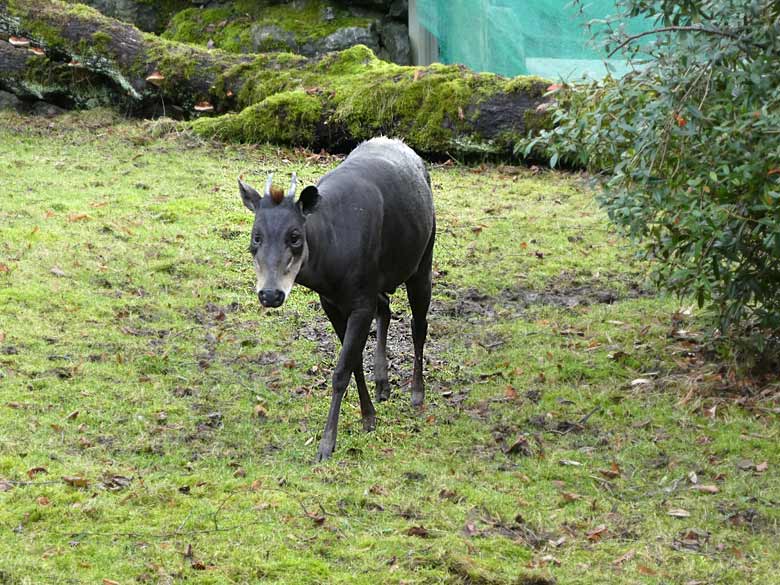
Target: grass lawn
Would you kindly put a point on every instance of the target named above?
(158, 426)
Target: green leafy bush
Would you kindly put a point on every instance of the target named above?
(689, 143)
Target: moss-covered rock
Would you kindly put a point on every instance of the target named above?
(437, 109)
(230, 27)
(308, 27)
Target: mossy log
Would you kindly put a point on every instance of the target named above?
(333, 101)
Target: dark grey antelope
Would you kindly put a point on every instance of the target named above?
(366, 228)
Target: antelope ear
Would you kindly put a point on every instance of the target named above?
(249, 196)
(308, 200)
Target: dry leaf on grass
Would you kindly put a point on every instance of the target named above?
(75, 481)
(33, 471)
(597, 532)
(678, 513)
(705, 489)
(419, 531)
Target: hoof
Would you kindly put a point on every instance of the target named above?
(382, 390)
(324, 452)
(369, 423)
(418, 397)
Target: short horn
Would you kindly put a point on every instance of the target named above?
(293, 185)
(268, 184)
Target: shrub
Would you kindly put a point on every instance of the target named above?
(689, 144)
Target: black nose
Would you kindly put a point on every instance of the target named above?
(271, 297)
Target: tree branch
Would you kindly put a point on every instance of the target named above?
(710, 31)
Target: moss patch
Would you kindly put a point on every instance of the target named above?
(287, 118)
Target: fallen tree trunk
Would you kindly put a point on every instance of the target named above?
(332, 102)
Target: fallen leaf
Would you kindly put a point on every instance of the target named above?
(73, 415)
(706, 489)
(256, 485)
(57, 271)
(640, 382)
(110, 582)
(597, 532)
(5, 485)
(114, 483)
(630, 554)
(570, 497)
(521, 446)
(570, 462)
(419, 531)
(645, 570)
(510, 392)
(318, 519)
(33, 471)
(4, 268)
(378, 490)
(547, 560)
(75, 481)
(73, 217)
(678, 513)
(612, 472)
(762, 467)
(42, 501)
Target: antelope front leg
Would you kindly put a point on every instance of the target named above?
(358, 325)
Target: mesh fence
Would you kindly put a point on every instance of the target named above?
(520, 37)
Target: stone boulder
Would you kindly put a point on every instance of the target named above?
(9, 101)
(270, 37)
(394, 41)
(387, 38)
(343, 39)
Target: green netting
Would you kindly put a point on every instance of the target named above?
(520, 37)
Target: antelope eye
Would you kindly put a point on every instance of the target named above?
(257, 239)
(295, 239)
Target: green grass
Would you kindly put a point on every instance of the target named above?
(145, 356)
